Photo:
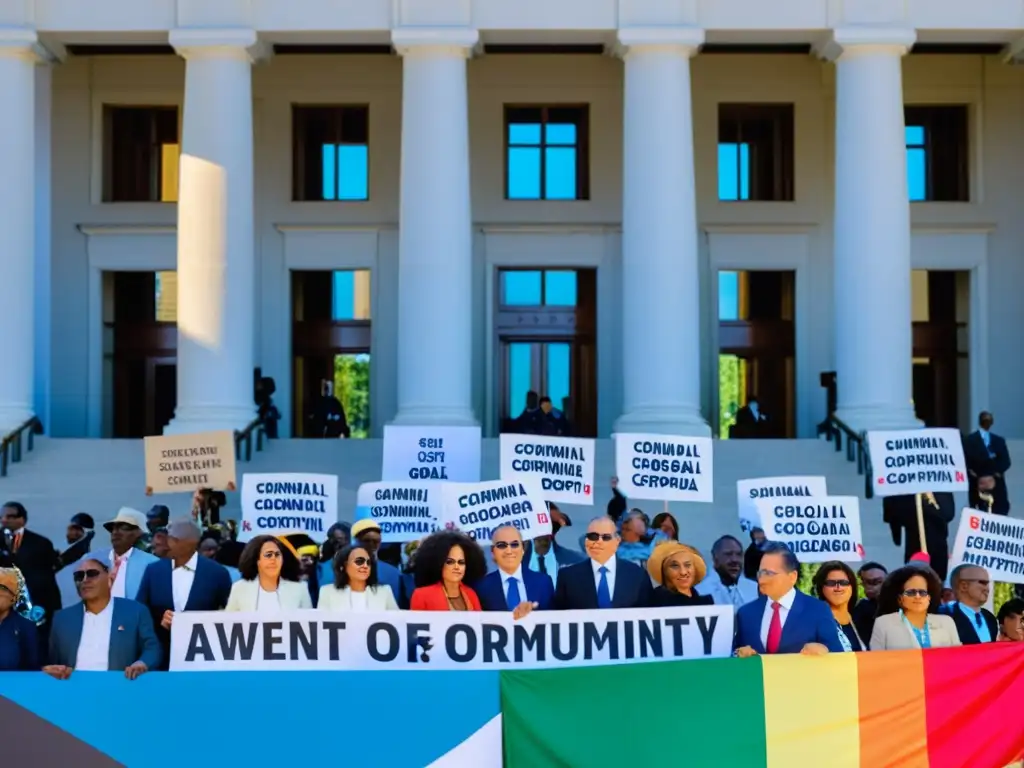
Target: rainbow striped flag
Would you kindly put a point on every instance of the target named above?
(943, 708)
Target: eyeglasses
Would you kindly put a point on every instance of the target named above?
(766, 574)
(915, 593)
(453, 561)
(507, 545)
(271, 554)
(593, 536)
(837, 583)
(88, 573)
(360, 561)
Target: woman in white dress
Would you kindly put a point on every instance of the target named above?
(270, 579)
(355, 586)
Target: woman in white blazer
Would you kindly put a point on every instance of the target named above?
(355, 586)
(903, 621)
(269, 582)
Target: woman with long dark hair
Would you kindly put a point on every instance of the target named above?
(445, 562)
(270, 579)
(908, 617)
(355, 586)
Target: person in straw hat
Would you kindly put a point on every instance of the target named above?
(677, 569)
(19, 643)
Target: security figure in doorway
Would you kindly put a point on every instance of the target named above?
(328, 415)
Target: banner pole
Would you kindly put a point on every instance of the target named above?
(920, 522)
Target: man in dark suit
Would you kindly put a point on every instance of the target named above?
(987, 461)
(974, 623)
(784, 619)
(513, 587)
(602, 580)
(545, 555)
(939, 509)
(37, 559)
(183, 581)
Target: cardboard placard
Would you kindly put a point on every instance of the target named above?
(186, 463)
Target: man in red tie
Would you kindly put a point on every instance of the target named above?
(783, 619)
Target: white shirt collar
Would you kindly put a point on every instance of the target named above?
(105, 612)
(610, 565)
(190, 565)
(787, 600)
(518, 576)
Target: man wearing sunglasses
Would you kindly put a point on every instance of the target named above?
(513, 587)
(974, 623)
(102, 633)
(603, 580)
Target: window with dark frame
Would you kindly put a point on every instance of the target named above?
(546, 153)
(755, 152)
(140, 154)
(937, 153)
(330, 153)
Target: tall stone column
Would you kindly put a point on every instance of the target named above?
(660, 267)
(18, 58)
(435, 310)
(874, 342)
(216, 256)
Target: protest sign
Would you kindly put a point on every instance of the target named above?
(564, 466)
(816, 530)
(404, 511)
(186, 463)
(917, 461)
(478, 509)
(288, 503)
(435, 640)
(995, 542)
(748, 491)
(665, 467)
(444, 454)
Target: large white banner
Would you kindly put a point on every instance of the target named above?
(995, 542)
(917, 461)
(439, 454)
(564, 466)
(750, 490)
(404, 511)
(478, 509)
(439, 640)
(665, 467)
(816, 530)
(288, 502)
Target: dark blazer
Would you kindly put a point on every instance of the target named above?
(563, 555)
(809, 621)
(577, 589)
(132, 637)
(210, 591)
(967, 631)
(38, 561)
(536, 588)
(19, 644)
(982, 461)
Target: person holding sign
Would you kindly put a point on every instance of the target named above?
(908, 617)
(677, 569)
(444, 561)
(355, 586)
(937, 512)
(513, 587)
(270, 579)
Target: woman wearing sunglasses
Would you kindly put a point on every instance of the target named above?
(270, 579)
(908, 617)
(445, 562)
(355, 586)
(836, 585)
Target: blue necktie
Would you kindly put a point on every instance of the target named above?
(512, 599)
(604, 595)
(977, 618)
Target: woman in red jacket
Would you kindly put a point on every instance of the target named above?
(444, 562)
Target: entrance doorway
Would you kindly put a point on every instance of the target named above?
(331, 343)
(546, 327)
(756, 353)
(140, 317)
(941, 307)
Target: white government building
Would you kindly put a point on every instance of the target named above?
(648, 210)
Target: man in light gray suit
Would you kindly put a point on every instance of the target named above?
(126, 561)
(102, 633)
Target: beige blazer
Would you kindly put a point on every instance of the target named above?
(891, 634)
(379, 598)
(292, 594)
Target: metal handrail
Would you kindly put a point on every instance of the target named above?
(834, 430)
(243, 439)
(11, 443)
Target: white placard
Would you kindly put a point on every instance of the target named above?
(477, 509)
(431, 454)
(564, 466)
(206, 641)
(917, 461)
(751, 489)
(404, 511)
(288, 502)
(665, 467)
(995, 542)
(816, 530)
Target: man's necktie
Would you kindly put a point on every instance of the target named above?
(17, 543)
(735, 596)
(512, 599)
(118, 560)
(541, 565)
(604, 595)
(977, 618)
(774, 630)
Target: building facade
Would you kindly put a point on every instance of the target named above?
(439, 206)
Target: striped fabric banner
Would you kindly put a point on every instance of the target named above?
(944, 708)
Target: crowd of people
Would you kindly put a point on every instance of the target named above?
(127, 596)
